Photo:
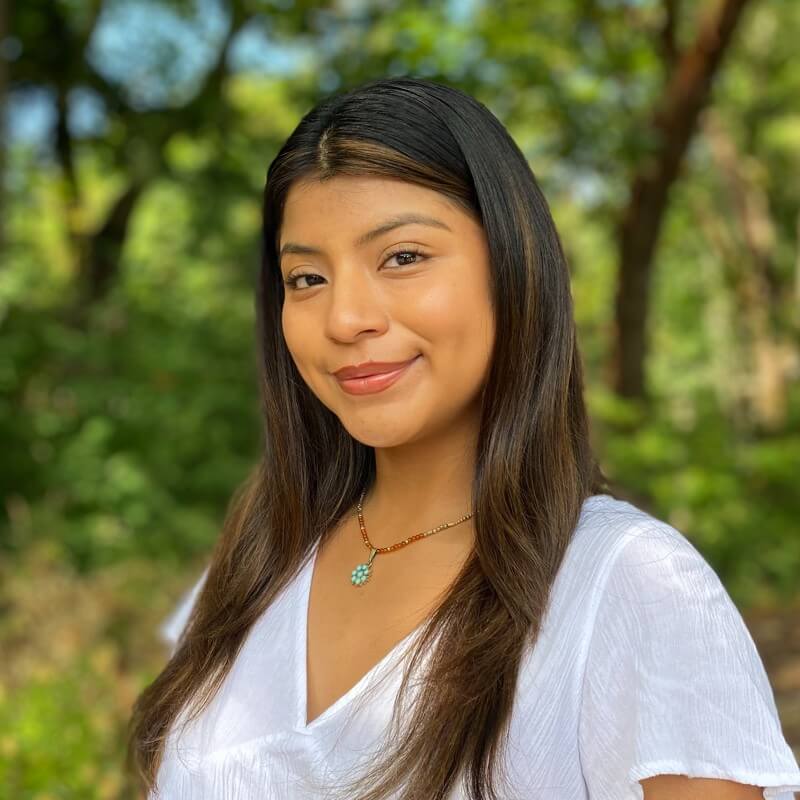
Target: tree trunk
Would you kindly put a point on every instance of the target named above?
(3, 122)
(673, 123)
(103, 249)
(768, 358)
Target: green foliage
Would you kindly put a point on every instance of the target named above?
(735, 498)
(127, 426)
(77, 651)
(131, 434)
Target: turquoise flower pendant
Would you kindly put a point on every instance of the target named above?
(360, 575)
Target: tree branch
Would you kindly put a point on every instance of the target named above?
(668, 42)
(673, 123)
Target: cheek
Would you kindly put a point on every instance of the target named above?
(457, 314)
(286, 329)
(291, 325)
(458, 326)
(297, 344)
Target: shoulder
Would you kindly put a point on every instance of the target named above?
(621, 552)
(634, 551)
(658, 598)
(672, 680)
(617, 551)
(613, 524)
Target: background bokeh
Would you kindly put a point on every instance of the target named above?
(137, 134)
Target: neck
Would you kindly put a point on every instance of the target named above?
(420, 486)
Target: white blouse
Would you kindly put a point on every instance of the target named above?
(643, 666)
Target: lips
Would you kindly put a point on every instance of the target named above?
(370, 368)
(377, 382)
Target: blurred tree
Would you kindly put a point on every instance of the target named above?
(135, 143)
(134, 139)
(161, 194)
(5, 54)
(747, 249)
(124, 436)
(623, 97)
(690, 75)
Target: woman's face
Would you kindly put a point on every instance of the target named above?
(375, 291)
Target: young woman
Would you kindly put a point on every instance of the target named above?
(426, 590)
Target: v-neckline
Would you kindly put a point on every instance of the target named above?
(302, 725)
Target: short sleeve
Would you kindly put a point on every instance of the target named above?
(674, 683)
(172, 627)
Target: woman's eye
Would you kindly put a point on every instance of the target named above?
(292, 281)
(405, 252)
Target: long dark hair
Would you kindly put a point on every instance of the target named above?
(534, 467)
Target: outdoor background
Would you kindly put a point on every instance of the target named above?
(666, 136)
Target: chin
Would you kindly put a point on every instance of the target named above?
(379, 434)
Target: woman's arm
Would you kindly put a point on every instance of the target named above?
(679, 787)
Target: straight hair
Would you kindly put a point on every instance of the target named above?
(534, 467)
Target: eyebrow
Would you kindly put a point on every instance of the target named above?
(390, 224)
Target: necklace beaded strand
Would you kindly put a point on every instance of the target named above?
(360, 575)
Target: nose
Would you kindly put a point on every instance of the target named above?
(355, 305)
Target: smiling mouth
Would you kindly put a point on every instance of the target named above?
(369, 368)
(377, 382)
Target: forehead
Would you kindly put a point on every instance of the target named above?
(355, 203)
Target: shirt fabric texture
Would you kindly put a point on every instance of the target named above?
(643, 666)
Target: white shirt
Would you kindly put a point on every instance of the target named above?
(643, 666)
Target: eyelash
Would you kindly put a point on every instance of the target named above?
(292, 282)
